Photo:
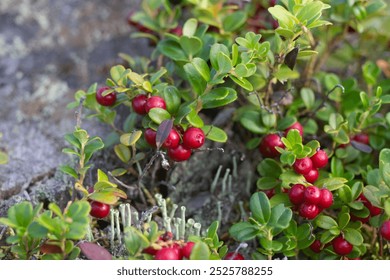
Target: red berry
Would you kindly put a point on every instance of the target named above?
(385, 230)
(363, 220)
(374, 211)
(296, 126)
(150, 250)
(296, 194)
(316, 246)
(308, 211)
(172, 140)
(269, 193)
(150, 137)
(167, 253)
(234, 256)
(303, 165)
(178, 31)
(180, 153)
(319, 159)
(268, 144)
(362, 138)
(99, 210)
(107, 100)
(167, 236)
(312, 176)
(326, 198)
(154, 102)
(341, 246)
(193, 138)
(187, 249)
(312, 195)
(138, 104)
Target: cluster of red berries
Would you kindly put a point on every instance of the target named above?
(168, 249)
(310, 200)
(308, 167)
(178, 143)
(340, 246)
(107, 100)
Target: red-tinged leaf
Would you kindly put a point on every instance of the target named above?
(48, 248)
(291, 58)
(361, 147)
(163, 131)
(94, 252)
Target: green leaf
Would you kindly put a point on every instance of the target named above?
(116, 72)
(280, 218)
(69, 170)
(332, 183)
(130, 139)
(242, 82)
(260, 207)
(353, 236)
(215, 134)
(71, 139)
(286, 122)
(384, 165)
(243, 231)
(269, 167)
(387, 206)
(284, 17)
(234, 21)
(122, 152)
(158, 115)
(196, 80)
(106, 197)
(92, 146)
(35, 230)
(218, 97)
(132, 240)
(200, 251)
(81, 135)
(194, 119)
(267, 183)
(345, 194)
(190, 45)
(78, 214)
(172, 49)
(294, 137)
(251, 120)
(213, 229)
(156, 76)
(308, 97)
(325, 222)
(172, 99)
(214, 51)
(224, 63)
(189, 27)
(21, 214)
(343, 219)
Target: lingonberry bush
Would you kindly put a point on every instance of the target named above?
(309, 101)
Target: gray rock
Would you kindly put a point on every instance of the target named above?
(48, 50)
